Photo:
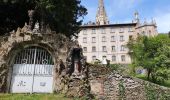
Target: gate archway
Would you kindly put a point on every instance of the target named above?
(32, 71)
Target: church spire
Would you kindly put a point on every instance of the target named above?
(101, 17)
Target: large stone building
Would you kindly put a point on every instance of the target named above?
(101, 40)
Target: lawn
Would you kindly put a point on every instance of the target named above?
(33, 97)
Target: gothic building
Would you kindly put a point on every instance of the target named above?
(102, 40)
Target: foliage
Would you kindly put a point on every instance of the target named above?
(153, 54)
(97, 61)
(63, 16)
(121, 91)
(153, 94)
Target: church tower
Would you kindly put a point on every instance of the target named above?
(101, 17)
(136, 19)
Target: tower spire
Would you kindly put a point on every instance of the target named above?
(101, 17)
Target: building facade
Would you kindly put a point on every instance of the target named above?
(101, 40)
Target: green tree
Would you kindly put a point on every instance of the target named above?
(63, 16)
(13, 14)
(153, 54)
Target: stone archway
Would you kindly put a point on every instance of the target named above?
(56, 44)
(32, 71)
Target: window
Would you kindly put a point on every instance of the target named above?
(113, 48)
(93, 39)
(103, 31)
(121, 30)
(103, 39)
(122, 38)
(85, 49)
(93, 31)
(93, 58)
(130, 37)
(84, 40)
(112, 30)
(93, 49)
(130, 30)
(112, 38)
(143, 33)
(104, 48)
(123, 58)
(85, 32)
(104, 57)
(149, 32)
(114, 58)
(122, 48)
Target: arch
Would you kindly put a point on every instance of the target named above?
(17, 48)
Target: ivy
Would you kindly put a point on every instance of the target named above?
(121, 91)
(154, 94)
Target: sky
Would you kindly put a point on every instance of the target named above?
(122, 11)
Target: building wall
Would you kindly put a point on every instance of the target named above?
(121, 37)
(87, 34)
(147, 30)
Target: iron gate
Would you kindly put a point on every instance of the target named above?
(32, 71)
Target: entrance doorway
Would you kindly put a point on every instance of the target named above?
(32, 71)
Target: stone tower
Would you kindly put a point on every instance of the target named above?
(136, 15)
(101, 17)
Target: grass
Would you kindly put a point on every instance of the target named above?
(166, 84)
(33, 97)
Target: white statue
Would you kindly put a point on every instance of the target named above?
(36, 27)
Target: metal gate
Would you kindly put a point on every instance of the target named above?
(32, 71)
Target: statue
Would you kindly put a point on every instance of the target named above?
(76, 61)
(36, 27)
(31, 20)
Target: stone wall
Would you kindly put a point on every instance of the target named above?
(62, 50)
(57, 45)
(109, 85)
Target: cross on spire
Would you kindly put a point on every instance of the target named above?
(101, 17)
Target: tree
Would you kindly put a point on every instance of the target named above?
(13, 14)
(63, 16)
(153, 54)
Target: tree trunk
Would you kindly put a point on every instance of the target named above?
(148, 74)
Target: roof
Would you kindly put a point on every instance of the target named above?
(146, 25)
(108, 25)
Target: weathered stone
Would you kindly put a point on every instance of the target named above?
(134, 89)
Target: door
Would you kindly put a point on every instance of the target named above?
(32, 71)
